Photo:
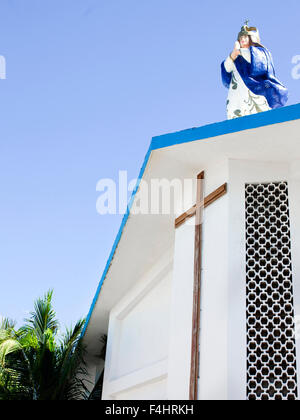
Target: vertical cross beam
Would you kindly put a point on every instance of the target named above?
(197, 289)
(197, 210)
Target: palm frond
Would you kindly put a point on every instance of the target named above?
(7, 324)
(43, 317)
(72, 384)
(35, 364)
(7, 347)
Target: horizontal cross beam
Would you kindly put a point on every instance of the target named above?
(211, 198)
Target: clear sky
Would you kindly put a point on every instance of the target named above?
(89, 82)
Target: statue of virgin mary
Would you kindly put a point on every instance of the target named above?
(248, 73)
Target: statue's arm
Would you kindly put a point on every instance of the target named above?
(226, 73)
(229, 64)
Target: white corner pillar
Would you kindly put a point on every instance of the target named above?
(179, 364)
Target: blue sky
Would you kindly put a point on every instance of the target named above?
(89, 82)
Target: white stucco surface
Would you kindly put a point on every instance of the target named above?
(138, 343)
(148, 293)
(181, 314)
(214, 291)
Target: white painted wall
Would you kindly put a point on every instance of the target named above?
(223, 297)
(150, 391)
(294, 197)
(214, 309)
(138, 338)
(149, 343)
(181, 314)
(214, 292)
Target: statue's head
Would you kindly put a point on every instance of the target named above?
(249, 36)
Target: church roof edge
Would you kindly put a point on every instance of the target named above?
(276, 116)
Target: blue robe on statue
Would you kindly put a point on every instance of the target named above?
(259, 76)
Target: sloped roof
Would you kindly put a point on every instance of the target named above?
(281, 115)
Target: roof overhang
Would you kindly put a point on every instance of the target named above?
(142, 239)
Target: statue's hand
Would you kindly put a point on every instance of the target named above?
(236, 50)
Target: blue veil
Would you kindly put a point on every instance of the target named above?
(259, 76)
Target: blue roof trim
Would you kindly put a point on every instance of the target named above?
(275, 116)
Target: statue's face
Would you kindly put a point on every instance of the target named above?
(245, 41)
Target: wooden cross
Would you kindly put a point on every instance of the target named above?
(197, 210)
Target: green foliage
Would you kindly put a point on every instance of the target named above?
(38, 364)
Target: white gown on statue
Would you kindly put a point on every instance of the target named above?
(241, 101)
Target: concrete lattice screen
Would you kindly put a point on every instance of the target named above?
(271, 349)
